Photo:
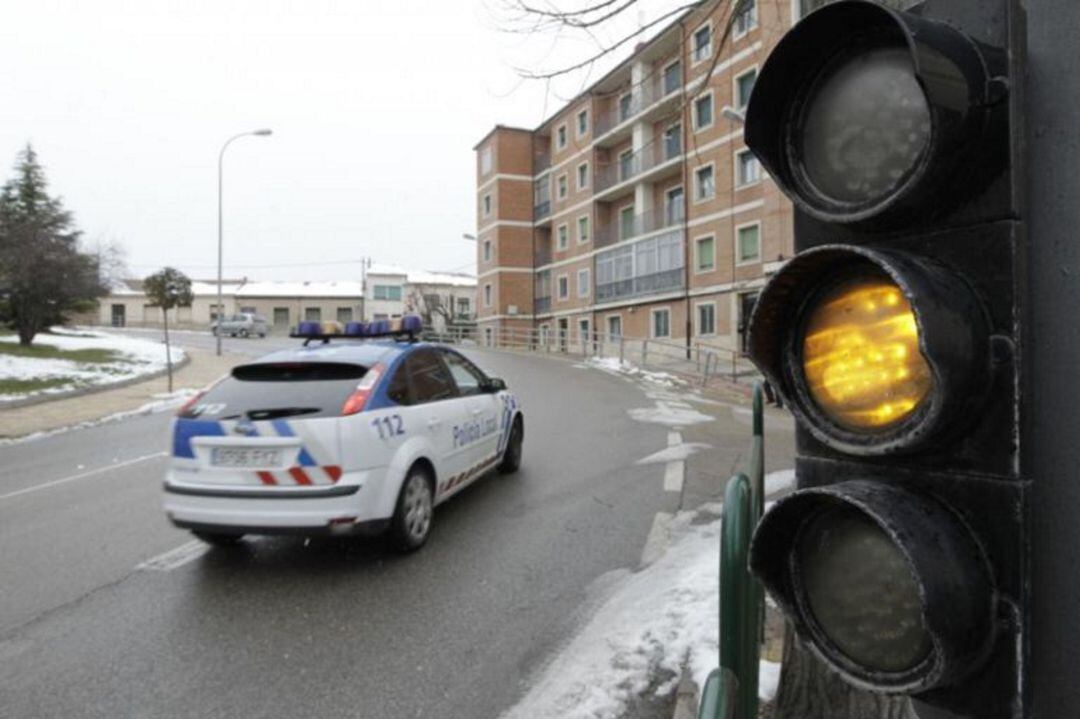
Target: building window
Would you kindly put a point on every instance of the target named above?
(582, 123)
(281, 317)
(746, 20)
(487, 250)
(313, 314)
(583, 283)
(560, 137)
(583, 330)
(748, 239)
(344, 314)
(463, 307)
(703, 112)
(705, 254)
(562, 186)
(706, 319)
(661, 323)
(673, 206)
(485, 161)
(626, 222)
(582, 230)
(744, 85)
(583, 176)
(673, 141)
(672, 77)
(390, 293)
(487, 205)
(626, 104)
(748, 171)
(702, 43)
(487, 295)
(626, 165)
(704, 183)
(563, 287)
(614, 327)
(563, 237)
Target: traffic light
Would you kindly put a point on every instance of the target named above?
(893, 335)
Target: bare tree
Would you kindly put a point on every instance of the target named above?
(167, 289)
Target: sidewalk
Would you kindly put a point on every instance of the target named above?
(203, 368)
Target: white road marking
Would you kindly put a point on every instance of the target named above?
(674, 471)
(175, 558)
(81, 475)
(659, 538)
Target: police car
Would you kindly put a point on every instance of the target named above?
(361, 430)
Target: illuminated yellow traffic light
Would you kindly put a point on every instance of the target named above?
(861, 356)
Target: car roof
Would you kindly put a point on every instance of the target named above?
(361, 352)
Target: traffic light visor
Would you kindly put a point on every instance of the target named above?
(860, 355)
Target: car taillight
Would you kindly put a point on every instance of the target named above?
(190, 403)
(356, 401)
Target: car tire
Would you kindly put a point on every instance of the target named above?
(511, 460)
(411, 524)
(218, 540)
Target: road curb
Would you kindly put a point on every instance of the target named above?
(71, 394)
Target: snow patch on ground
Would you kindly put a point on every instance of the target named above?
(138, 358)
(674, 453)
(782, 481)
(659, 618)
(613, 365)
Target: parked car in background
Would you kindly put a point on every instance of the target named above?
(243, 324)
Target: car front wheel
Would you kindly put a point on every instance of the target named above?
(411, 524)
(511, 460)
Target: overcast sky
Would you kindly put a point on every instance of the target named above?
(375, 107)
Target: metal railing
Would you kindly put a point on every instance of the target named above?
(642, 96)
(643, 224)
(699, 362)
(541, 210)
(627, 168)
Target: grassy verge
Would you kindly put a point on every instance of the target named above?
(24, 386)
(47, 351)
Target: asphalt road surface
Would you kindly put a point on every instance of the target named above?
(108, 611)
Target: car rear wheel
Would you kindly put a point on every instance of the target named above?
(411, 525)
(218, 540)
(511, 460)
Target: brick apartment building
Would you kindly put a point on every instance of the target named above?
(636, 210)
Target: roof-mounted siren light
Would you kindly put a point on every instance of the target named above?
(863, 127)
(307, 329)
(355, 329)
(412, 324)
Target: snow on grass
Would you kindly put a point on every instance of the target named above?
(657, 620)
(67, 360)
(669, 415)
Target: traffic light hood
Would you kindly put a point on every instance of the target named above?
(886, 585)
(862, 113)
(949, 328)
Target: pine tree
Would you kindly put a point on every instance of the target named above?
(43, 275)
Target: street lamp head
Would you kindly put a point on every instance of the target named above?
(263, 132)
(734, 115)
(467, 236)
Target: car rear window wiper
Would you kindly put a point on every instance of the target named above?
(278, 412)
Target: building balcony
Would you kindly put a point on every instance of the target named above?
(648, 162)
(541, 210)
(542, 255)
(648, 222)
(657, 283)
(542, 305)
(646, 100)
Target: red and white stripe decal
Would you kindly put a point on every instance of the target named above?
(302, 476)
(460, 479)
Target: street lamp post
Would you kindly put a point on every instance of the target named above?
(221, 157)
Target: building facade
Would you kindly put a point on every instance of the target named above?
(637, 210)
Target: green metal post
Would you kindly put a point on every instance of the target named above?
(719, 698)
(739, 616)
(757, 493)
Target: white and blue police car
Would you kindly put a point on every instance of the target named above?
(362, 432)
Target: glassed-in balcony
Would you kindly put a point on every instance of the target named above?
(541, 199)
(651, 266)
(628, 226)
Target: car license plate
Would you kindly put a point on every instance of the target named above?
(245, 457)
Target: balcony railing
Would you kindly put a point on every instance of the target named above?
(643, 285)
(643, 224)
(541, 210)
(542, 255)
(642, 97)
(645, 159)
(541, 305)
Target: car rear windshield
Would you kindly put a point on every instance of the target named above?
(276, 391)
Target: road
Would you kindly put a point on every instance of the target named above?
(108, 611)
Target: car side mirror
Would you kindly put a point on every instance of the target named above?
(491, 385)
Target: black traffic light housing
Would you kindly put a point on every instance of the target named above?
(897, 136)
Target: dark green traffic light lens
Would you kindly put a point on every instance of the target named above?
(866, 125)
(860, 592)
